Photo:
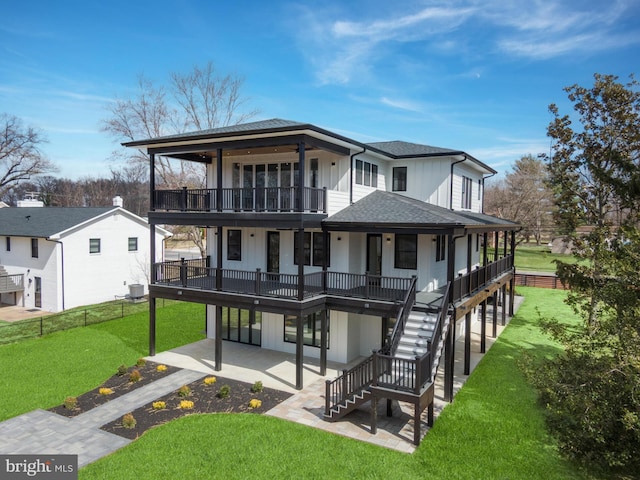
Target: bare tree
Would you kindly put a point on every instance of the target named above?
(20, 154)
(199, 100)
(523, 196)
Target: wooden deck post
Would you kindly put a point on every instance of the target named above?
(152, 326)
(467, 343)
(299, 351)
(483, 327)
(218, 340)
(503, 321)
(323, 342)
(495, 314)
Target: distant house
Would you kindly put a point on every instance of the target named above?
(59, 258)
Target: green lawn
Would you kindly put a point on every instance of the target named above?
(493, 429)
(538, 259)
(41, 372)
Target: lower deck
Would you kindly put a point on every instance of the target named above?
(277, 370)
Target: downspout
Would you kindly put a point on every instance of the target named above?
(62, 265)
(351, 175)
(483, 179)
(451, 182)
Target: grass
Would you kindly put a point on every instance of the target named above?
(493, 429)
(74, 317)
(41, 372)
(539, 258)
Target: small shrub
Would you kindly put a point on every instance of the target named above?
(122, 370)
(184, 391)
(70, 403)
(105, 391)
(255, 403)
(210, 380)
(159, 405)
(141, 362)
(161, 368)
(128, 421)
(135, 376)
(257, 387)
(186, 404)
(224, 391)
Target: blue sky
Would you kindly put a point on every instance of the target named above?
(475, 75)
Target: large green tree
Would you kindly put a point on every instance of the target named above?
(592, 391)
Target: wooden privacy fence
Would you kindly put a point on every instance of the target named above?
(539, 280)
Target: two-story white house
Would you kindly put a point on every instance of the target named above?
(55, 258)
(330, 248)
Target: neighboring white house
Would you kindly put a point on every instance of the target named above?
(55, 258)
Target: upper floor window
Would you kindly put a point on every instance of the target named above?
(406, 251)
(399, 179)
(133, 244)
(467, 187)
(34, 248)
(8, 244)
(441, 247)
(94, 245)
(234, 245)
(366, 174)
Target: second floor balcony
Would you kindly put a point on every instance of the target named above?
(266, 199)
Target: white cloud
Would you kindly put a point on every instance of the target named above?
(402, 104)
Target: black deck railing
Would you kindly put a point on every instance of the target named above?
(351, 382)
(11, 283)
(467, 285)
(267, 199)
(196, 274)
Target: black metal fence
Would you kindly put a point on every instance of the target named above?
(79, 317)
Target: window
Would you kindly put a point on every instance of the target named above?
(406, 251)
(94, 245)
(359, 172)
(366, 174)
(320, 250)
(8, 244)
(314, 249)
(479, 188)
(234, 245)
(311, 329)
(399, 179)
(133, 244)
(467, 187)
(441, 247)
(34, 248)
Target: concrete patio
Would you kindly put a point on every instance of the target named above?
(277, 370)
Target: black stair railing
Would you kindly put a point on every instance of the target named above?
(350, 383)
(401, 320)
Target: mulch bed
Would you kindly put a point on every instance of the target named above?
(120, 384)
(205, 400)
(204, 397)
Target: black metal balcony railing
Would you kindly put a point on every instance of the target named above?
(466, 285)
(196, 274)
(268, 199)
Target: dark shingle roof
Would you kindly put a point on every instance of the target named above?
(407, 149)
(262, 126)
(387, 209)
(44, 221)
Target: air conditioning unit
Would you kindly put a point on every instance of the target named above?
(136, 292)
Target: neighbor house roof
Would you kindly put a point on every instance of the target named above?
(46, 222)
(390, 211)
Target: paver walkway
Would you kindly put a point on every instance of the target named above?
(41, 431)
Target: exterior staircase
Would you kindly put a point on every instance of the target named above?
(10, 283)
